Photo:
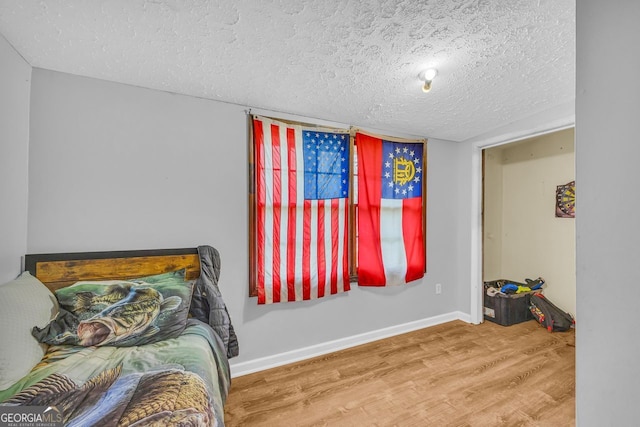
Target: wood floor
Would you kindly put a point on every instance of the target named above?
(454, 374)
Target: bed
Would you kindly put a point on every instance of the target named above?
(123, 338)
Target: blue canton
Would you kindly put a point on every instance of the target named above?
(326, 165)
(401, 170)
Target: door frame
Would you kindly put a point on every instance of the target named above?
(477, 220)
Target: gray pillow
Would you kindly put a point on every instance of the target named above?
(24, 302)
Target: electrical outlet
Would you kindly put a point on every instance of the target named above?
(438, 288)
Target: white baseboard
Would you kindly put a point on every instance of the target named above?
(251, 366)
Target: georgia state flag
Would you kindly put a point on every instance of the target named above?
(390, 228)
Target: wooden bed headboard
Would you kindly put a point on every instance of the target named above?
(62, 269)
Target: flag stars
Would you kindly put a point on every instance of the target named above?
(401, 154)
(326, 165)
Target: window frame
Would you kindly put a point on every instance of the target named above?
(352, 200)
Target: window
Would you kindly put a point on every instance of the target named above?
(305, 223)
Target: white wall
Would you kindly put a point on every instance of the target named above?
(15, 83)
(522, 236)
(608, 235)
(492, 218)
(119, 167)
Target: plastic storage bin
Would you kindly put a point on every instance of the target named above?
(507, 310)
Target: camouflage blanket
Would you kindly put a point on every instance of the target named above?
(179, 381)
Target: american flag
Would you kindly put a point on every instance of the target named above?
(302, 189)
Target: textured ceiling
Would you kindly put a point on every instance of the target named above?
(354, 62)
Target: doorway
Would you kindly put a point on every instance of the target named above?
(522, 237)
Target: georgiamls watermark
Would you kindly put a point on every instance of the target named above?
(30, 416)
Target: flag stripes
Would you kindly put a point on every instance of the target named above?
(301, 243)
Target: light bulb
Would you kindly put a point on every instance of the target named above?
(427, 76)
(430, 74)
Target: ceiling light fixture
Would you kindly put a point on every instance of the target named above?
(427, 76)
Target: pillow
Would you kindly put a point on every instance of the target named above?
(120, 313)
(24, 302)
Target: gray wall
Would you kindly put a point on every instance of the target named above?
(14, 157)
(120, 167)
(607, 177)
